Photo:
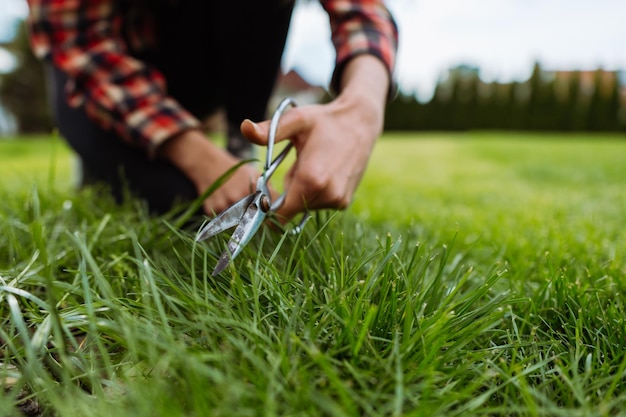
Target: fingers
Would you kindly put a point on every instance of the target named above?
(291, 124)
(309, 191)
(295, 202)
(242, 182)
(324, 175)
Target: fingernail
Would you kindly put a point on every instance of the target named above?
(248, 121)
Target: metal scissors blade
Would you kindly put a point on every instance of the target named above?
(225, 220)
(249, 213)
(249, 224)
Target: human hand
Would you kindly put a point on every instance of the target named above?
(333, 144)
(333, 141)
(332, 153)
(204, 163)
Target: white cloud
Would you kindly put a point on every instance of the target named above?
(7, 61)
(10, 11)
(309, 49)
(502, 37)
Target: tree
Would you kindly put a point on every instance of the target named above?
(541, 111)
(577, 103)
(614, 105)
(603, 111)
(23, 90)
(403, 113)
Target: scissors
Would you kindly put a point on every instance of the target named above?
(249, 213)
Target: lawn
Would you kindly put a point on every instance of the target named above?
(475, 274)
(37, 160)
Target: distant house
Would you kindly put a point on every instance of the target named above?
(587, 78)
(290, 84)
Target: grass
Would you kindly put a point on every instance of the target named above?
(475, 274)
(35, 161)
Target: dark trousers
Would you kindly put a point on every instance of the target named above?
(214, 54)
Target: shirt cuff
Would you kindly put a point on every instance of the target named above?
(150, 126)
(335, 83)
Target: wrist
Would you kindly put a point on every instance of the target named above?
(364, 86)
(190, 151)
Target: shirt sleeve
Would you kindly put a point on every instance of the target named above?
(362, 27)
(83, 38)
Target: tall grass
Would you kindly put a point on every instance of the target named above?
(509, 304)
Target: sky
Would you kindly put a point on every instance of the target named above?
(502, 37)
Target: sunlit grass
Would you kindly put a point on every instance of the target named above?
(472, 276)
(38, 160)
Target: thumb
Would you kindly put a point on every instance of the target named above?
(292, 123)
(254, 132)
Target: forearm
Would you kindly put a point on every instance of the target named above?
(177, 151)
(361, 28)
(120, 93)
(364, 85)
(192, 153)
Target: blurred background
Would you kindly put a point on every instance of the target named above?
(545, 65)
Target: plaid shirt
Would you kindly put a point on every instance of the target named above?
(86, 40)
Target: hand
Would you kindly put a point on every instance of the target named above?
(333, 141)
(332, 153)
(204, 163)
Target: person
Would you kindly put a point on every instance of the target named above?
(130, 81)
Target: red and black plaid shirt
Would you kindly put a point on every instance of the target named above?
(85, 40)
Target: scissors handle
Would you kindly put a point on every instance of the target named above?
(270, 166)
(269, 169)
